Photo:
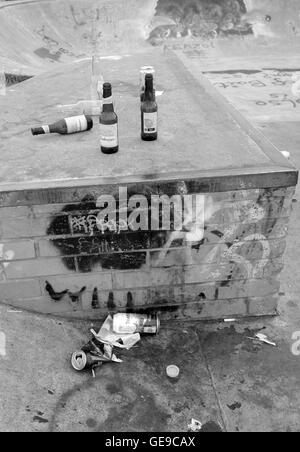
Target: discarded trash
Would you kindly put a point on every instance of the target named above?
(82, 361)
(286, 154)
(173, 371)
(101, 348)
(107, 336)
(195, 426)
(264, 338)
(93, 355)
(136, 323)
(229, 320)
(66, 126)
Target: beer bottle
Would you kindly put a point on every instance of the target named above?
(109, 137)
(149, 111)
(66, 126)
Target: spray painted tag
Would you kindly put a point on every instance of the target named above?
(109, 135)
(76, 124)
(150, 122)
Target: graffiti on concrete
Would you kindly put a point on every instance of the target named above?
(74, 298)
(113, 249)
(278, 100)
(244, 234)
(228, 241)
(272, 93)
(95, 299)
(5, 257)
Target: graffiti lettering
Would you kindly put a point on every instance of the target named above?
(278, 99)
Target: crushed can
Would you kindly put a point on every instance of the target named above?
(84, 361)
(136, 323)
(143, 72)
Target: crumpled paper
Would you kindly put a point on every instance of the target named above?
(195, 426)
(107, 336)
(103, 352)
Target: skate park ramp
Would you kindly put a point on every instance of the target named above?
(37, 35)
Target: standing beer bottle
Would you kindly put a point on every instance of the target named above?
(149, 111)
(108, 123)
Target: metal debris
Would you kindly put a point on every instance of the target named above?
(264, 338)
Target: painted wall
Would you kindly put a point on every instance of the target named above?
(37, 35)
(53, 258)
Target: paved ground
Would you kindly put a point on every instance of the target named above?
(226, 379)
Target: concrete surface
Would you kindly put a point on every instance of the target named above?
(204, 143)
(226, 378)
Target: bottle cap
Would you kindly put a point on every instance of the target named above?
(107, 90)
(173, 371)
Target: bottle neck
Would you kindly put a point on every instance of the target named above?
(149, 91)
(108, 105)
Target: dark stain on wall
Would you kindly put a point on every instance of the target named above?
(111, 302)
(95, 299)
(130, 301)
(117, 250)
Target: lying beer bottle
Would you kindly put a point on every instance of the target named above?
(66, 126)
(149, 111)
(109, 137)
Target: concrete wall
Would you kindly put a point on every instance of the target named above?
(232, 270)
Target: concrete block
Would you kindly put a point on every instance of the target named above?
(17, 250)
(13, 290)
(263, 306)
(130, 280)
(35, 268)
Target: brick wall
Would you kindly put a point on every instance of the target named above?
(49, 238)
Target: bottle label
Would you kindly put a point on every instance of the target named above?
(109, 135)
(150, 122)
(107, 100)
(76, 124)
(46, 129)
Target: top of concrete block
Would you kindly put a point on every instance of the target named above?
(200, 135)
